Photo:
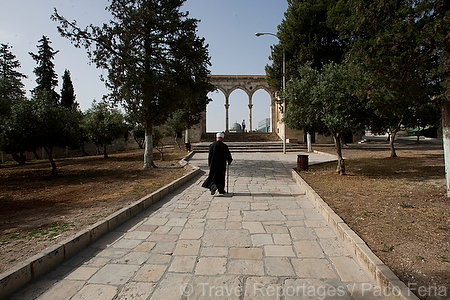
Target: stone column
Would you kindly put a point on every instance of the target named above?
(227, 106)
(250, 106)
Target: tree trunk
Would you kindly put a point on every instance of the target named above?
(341, 162)
(105, 154)
(446, 141)
(19, 158)
(52, 162)
(148, 142)
(391, 143)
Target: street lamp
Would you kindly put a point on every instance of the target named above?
(284, 86)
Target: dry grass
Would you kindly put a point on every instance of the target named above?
(397, 206)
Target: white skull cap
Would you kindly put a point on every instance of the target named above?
(220, 135)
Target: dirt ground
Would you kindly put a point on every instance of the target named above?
(398, 206)
(38, 210)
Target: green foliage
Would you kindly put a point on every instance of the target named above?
(40, 123)
(67, 92)
(156, 64)
(11, 86)
(326, 99)
(305, 36)
(46, 78)
(104, 124)
(20, 132)
(392, 41)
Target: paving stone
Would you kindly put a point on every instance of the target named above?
(263, 215)
(254, 227)
(367, 291)
(126, 243)
(156, 221)
(183, 264)
(302, 233)
(164, 248)
(219, 287)
(215, 224)
(176, 222)
(82, 273)
(113, 252)
(187, 247)
(175, 230)
(349, 270)
(261, 239)
(214, 251)
(96, 292)
(145, 246)
(333, 247)
(313, 268)
(137, 235)
(136, 291)
(148, 228)
(239, 205)
(262, 288)
(162, 230)
(276, 229)
(325, 233)
(156, 237)
(159, 259)
(172, 286)
(227, 238)
(195, 223)
(312, 214)
(312, 289)
(133, 258)
(64, 289)
(114, 274)
(246, 267)
(150, 273)
(308, 248)
(246, 253)
(278, 266)
(282, 239)
(211, 266)
(259, 206)
(216, 214)
(191, 233)
(277, 250)
(234, 225)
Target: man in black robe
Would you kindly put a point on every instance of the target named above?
(218, 156)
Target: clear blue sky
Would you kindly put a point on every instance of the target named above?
(228, 26)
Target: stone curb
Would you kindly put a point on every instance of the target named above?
(389, 283)
(19, 275)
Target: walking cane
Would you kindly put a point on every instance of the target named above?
(228, 175)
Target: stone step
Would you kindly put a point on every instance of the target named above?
(243, 137)
(252, 147)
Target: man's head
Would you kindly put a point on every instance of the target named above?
(220, 136)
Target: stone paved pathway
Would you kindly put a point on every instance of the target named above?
(264, 240)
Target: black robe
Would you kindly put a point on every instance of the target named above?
(218, 156)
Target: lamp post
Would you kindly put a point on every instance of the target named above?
(284, 86)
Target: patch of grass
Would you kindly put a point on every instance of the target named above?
(406, 205)
(387, 248)
(445, 259)
(50, 232)
(367, 213)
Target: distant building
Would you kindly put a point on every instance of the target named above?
(264, 125)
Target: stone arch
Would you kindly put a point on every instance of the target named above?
(249, 84)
